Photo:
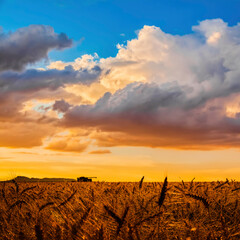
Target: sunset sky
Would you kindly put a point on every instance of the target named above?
(120, 89)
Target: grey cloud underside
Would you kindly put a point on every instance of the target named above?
(135, 97)
(34, 80)
(151, 99)
(28, 45)
(61, 106)
(158, 118)
(158, 111)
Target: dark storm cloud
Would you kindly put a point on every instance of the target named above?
(29, 45)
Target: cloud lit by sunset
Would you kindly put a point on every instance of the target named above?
(164, 103)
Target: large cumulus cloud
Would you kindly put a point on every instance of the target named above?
(187, 84)
(29, 45)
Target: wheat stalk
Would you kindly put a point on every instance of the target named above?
(141, 182)
(199, 198)
(68, 199)
(163, 193)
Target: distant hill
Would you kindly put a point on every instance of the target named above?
(26, 179)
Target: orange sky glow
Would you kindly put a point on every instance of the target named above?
(165, 105)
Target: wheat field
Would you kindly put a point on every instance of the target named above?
(102, 210)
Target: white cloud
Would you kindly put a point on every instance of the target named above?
(172, 80)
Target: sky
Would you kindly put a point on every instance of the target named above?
(120, 89)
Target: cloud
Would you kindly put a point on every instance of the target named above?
(26, 97)
(160, 90)
(33, 83)
(31, 153)
(100, 152)
(187, 83)
(206, 127)
(86, 61)
(24, 134)
(68, 146)
(35, 80)
(61, 106)
(28, 45)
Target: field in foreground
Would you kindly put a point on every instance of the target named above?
(101, 210)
